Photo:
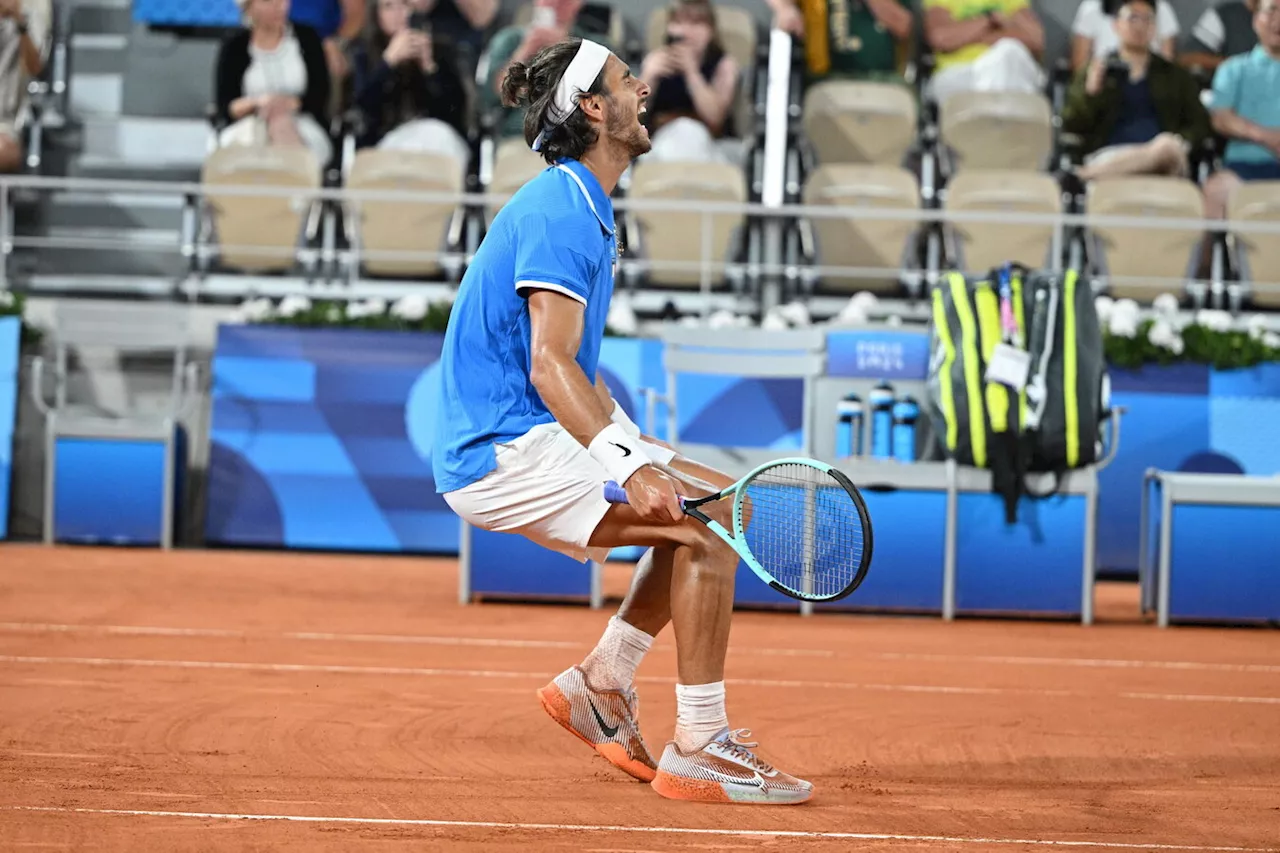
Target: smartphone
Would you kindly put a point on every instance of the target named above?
(672, 38)
(544, 17)
(420, 21)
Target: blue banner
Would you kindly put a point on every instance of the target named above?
(878, 354)
(187, 13)
(10, 338)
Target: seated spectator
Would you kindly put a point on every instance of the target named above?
(408, 88)
(1246, 110)
(1093, 33)
(1223, 30)
(460, 24)
(693, 84)
(553, 21)
(984, 46)
(1138, 113)
(24, 30)
(273, 83)
(849, 39)
(338, 23)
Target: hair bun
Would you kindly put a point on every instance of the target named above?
(515, 86)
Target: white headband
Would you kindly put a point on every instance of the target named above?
(578, 78)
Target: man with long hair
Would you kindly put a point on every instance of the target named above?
(528, 434)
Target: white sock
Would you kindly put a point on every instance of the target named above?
(700, 714)
(612, 663)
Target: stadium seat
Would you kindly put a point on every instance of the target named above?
(849, 122)
(513, 166)
(852, 241)
(667, 236)
(259, 233)
(403, 226)
(1155, 254)
(1258, 201)
(998, 130)
(979, 246)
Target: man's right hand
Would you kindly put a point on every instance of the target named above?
(1095, 77)
(1271, 141)
(653, 495)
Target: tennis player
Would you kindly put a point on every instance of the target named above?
(528, 433)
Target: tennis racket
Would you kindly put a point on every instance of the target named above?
(799, 524)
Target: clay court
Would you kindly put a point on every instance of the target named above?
(245, 701)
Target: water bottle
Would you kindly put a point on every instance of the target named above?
(849, 426)
(880, 401)
(905, 413)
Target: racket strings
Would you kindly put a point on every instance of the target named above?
(804, 528)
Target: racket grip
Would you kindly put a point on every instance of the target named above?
(614, 493)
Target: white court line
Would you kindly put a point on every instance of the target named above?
(496, 673)
(663, 830)
(329, 637)
(1101, 663)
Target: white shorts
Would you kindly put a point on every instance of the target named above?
(548, 488)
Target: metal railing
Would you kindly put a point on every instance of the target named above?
(325, 250)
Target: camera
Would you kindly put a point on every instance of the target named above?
(672, 38)
(420, 21)
(1116, 69)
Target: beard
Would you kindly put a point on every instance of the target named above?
(624, 130)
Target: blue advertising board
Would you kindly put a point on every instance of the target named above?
(10, 337)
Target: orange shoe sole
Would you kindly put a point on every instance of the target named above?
(556, 704)
(701, 791)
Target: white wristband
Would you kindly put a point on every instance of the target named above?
(619, 416)
(619, 454)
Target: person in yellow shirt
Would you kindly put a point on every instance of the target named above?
(984, 45)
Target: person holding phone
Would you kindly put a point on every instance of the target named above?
(408, 88)
(462, 24)
(694, 83)
(553, 21)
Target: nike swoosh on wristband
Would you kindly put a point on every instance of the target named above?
(626, 451)
(609, 731)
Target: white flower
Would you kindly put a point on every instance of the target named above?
(795, 313)
(691, 321)
(1176, 345)
(368, 308)
(1257, 326)
(723, 319)
(1123, 325)
(622, 317)
(773, 322)
(334, 314)
(6, 299)
(410, 308)
(866, 299)
(1126, 307)
(1271, 340)
(292, 306)
(1214, 321)
(1162, 334)
(893, 321)
(1166, 304)
(1104, 305)
(254, 311)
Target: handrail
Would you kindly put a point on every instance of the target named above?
(873, 214)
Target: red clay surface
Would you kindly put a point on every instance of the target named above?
(221, 683)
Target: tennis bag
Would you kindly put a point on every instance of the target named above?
(1055, 422)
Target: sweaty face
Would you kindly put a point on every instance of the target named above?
(624, 109)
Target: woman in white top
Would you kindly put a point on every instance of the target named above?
(1093, 33)
(273, 82)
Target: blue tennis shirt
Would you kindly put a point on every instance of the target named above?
(556, 233)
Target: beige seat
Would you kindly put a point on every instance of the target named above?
(848, 122)
(982, 245)
(403, 226)
(998, 130)
(1259, 201)
(259, 233)
(667, 236)
(1140, 261)
(860, 240)
(514, 165)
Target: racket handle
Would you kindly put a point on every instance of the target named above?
(614, 493)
